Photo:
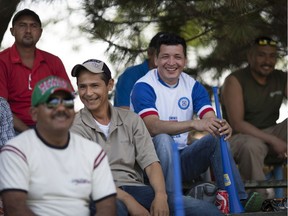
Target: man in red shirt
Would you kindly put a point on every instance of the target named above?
(22, 65)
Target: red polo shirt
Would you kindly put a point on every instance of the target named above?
(17, 81)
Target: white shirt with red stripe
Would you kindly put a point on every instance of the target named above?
(58, 181)
(151, 96)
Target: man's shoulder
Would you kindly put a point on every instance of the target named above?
(279, 76)
(80, 139)
(240, 74)
(240, 71)
(124, 114)
(151, 75)
(142, 65)
(245, 72)
(83, 144)
(82, 120)
(186, 78)
(4, 54)
(46, 55)
(25, 140)
(276, 71)
(136, 69)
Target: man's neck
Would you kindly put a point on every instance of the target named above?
(27, 55)
(103, 115)
(262, 80)
(57, 139)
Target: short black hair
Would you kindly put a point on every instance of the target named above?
(26, 12)
(171, 39)
(153, 42)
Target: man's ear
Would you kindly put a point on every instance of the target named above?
(249, 56)
(41, 32)
(34, 113)
(12, 31)
(155, 60)
(151, 51)
(110, 84)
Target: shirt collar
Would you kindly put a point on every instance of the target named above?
(163, 83)
(15, 57)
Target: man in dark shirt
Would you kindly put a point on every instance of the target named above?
(251, 100)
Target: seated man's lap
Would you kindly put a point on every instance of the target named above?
(142, 194)
(195, 159)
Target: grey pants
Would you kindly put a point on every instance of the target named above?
(250, 152)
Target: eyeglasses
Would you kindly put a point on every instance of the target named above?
(265, 42)
(55, 102)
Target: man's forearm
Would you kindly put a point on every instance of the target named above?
(15, 204)
(156, 178)
(19, 125)
(247, 128)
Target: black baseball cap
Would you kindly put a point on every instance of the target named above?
(265, 40)
(26, 12)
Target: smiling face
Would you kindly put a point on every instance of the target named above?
(57, 118)
(170, 62)
(93, 91)
(262, 60)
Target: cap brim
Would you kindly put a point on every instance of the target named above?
(76, 70)
(64, 90)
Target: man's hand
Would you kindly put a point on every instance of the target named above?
(159, 206)
(135, 209)
(279, 146)
(225, 129)
(214, 126)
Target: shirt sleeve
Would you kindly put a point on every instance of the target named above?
(6, 122)
(201, 100)
(143, 100)
(3, 80)
(103, 184)
(123, 89)
(145, 150)
(14, 169)
(60, 71)
(126, 82)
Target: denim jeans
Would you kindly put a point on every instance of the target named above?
(145, 196)
(195, 160)
(142, 194)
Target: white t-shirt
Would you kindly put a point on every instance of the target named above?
(152, 96)
(104, 128)
(58, 181)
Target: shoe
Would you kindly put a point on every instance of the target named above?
(253, 203)
(274, 205)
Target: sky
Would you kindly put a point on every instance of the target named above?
(64, 40)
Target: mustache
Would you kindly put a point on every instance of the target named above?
(61, 114)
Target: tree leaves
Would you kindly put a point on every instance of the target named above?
(228, 26)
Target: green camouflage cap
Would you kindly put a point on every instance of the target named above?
(46, 87)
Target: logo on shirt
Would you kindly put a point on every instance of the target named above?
(173, 118)
(80, 181)
(183, 103)
(272, 94)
